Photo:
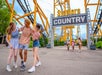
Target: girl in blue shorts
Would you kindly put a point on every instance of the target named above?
(35, 37)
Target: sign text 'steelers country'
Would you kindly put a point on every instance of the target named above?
(72, 19)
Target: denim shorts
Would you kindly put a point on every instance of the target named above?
(36, 43)
(24, 47)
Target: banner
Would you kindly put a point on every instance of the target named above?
(69, 20)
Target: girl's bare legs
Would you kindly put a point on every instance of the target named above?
(15, 57)
(73, 48)
(10, 56)
(35, 53)
(79, 46)
(36, 59)
(9, 60)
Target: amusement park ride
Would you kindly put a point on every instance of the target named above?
(60, 8)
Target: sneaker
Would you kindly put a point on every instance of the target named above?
(15, 65)
(38, 64)
(23, 68)
(32, 69)
(22, 63)
(8, 68)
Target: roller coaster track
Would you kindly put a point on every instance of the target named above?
(98, 23)
(26, 9)
(29, 10)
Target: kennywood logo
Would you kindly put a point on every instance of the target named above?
(72, 19)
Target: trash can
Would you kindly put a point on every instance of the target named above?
(48, 46)
(92, 47)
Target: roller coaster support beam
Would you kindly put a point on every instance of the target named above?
(11, 9)
(40, 12)
(27, 14)
(35, 10)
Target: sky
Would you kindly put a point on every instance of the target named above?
(47, 7)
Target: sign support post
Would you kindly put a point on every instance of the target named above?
(51, 35)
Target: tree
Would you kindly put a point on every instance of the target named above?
(4, 17)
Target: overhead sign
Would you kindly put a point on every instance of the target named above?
(68, 20)
(68, 12)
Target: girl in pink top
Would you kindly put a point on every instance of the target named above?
(35, 37)
(73, 43)
(24, 42)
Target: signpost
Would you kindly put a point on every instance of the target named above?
(68, 20)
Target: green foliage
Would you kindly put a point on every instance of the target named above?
(99, 44)
(84, 42)
(43, 41)
(58, 43)
(4, 16)
(31, 44)
(99, 39)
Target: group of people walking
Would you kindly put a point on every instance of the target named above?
(19, 44)
(79, 43)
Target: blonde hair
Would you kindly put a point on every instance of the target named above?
(27, 21)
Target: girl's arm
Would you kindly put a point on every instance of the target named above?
(8, 40)
(21, 29)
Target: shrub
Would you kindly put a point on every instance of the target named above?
(41, 40)
(61, 43)
(31, 44)
(84, 42)
(99, 39)
(99, 44)
(58, 43)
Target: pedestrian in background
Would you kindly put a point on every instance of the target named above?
(73, 44)
(79, 43)
(68, 44)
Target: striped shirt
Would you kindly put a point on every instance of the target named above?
(35, 35)
(25, 36)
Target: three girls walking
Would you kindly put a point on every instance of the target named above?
(79, 43)
(22, 44)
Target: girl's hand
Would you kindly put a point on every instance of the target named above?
(11, 46)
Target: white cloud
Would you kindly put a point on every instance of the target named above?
(75, 4)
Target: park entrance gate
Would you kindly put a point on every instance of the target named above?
(68, 20)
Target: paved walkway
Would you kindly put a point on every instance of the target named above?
(59, 61)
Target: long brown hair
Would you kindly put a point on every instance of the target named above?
(10, 28)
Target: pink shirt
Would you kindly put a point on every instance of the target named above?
(73, 43)
(25, 36)
(35, 35)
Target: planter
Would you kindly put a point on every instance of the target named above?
(92, 47)
(48, 46)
